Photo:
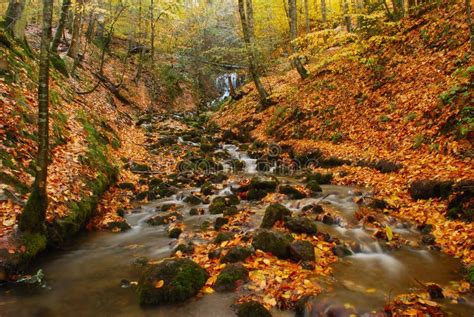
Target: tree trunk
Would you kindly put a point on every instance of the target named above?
(61, 24)
(152, 29)
(246, 18)
(33, 217)
(470, 24)
(306, 16)
(293, 35)
(231, 86)
(324, 11)
(73, 51)
(347, 17)
(13, 18)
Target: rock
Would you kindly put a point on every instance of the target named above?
(174, 233)
(184, 248)
(274, 213)
(385, 166)
(193, 200)
(435, 291)
(425, 228)
(236, 254)
(225, 205)
(341, 251)
(461, 206)
(428, 239)
(207, 189)
(137, 167)
(319, 178)
(252, 309)
(377, 204)
(301, 250)
(207, 147)
(307, 265)
(196, 211)
(167, 207)
(215, 254)
(291, 192)
(314, 187)
(267, 185)
(301, 225)
(141, 196)
(118, 226)
(218, 178)
(328, 220)
(220, 222)
(178, 280)
(126, 186)
(223, 236)
(237, 165)
(164, 219)
(315, 209)
(230, 276)
(426, 189)
(273, 242)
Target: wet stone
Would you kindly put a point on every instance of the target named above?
(301, 225)
(163, 219)
(291, 192)
(274, 213)
(220, 222)
(174, 233)
(223, 236)
(183, 248)
(252, 309)
(273, 242)
(302, 251)
(229, 278)
(341, 251)
(236, 254)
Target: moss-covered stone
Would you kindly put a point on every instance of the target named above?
(426, 189)
(291, 192)
(174, 233)
(301, 225)
(302, 251)
(193, 200)
(181, 279)
(230, 276)
(165, 218)
(119, 226)
(341, 251)
(273, 242)
(319, 178)
(314, 187)
(252, 309)
(58, 63)
(225, 205)
(236, 254)
(34, 243)
(274, 213)
(184, 249)
(207, 189)
(223, 236)
(220, 222)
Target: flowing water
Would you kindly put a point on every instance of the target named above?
(93, 276)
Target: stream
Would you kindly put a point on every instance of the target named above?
(92, 276)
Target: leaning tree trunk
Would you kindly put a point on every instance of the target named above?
(33, 217)
(293, 35)
(61, 24)
(13, 18)
(246, 18)
(73, 51)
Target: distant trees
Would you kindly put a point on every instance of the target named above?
(76, 30)
(61, 24)
(34, 214)
(14, 20)
(246, 18)
(292, 12)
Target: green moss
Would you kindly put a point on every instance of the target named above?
(291, 192)
(229, 277)
(236, 254)
(34, 244)
(314, 186)
(274, 213)
(252, 309)
(58, 63)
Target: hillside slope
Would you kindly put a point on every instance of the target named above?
(404, 96)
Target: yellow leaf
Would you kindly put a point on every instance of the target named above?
(370, 290)
(389, 232)
(159, 284)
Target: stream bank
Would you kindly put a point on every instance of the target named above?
(219, 190)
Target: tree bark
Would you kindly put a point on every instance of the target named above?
(13, 17)
(347, 17)
(73, 51)
(152, 29)
(61, 24)
(306, 16)
(246, 18)
(324, 11)
(33, 217)
(293, 35)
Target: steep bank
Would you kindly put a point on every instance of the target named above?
(403, 96)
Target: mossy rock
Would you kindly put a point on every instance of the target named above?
(230, 211)
(220, 205)
(207, 189)
(314, 187)
(218, 178)
(181, 279)
(165, 218)
(230, 276)
(426, 189)
(183, 248)
(252, 309)
(301, 250)
(220, 222)
(59, 64)
(319, 178)
(301, 225)
(237, 254)
(256, 194)
(237, 165)
(274, 213)
(138, 167)
(174, 233)
(341, 251)
(461, 206)
(273, 242)
(223, 236)
(207, 147)
(193, 200)
(126, 186)
(119, 226)
(291, 192)
(267, 185)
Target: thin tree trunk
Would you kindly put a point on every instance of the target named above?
(61, 24)
(152, 29)
(347, 17)
(293, 35)
(324, 11)
(469, 23)
(13, 17)
(246, 18)
(306, 16)
(231, 86)
(33, 217)
(73, 51)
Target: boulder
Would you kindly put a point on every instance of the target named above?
(273, 242)
(229, 278)
(225, 204)
(314, 187)
(171, 281)
(301, 250)
(237, 254)
(319, 178)
(193, 200)
(220, 222)
(341, 251)
(291, 192)
(301, 225)
(207, 189)
(183, 248)
(165, 218)
(174, 233)
(274, 213)
(252, 309)
(223, 236)
(426, 189)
